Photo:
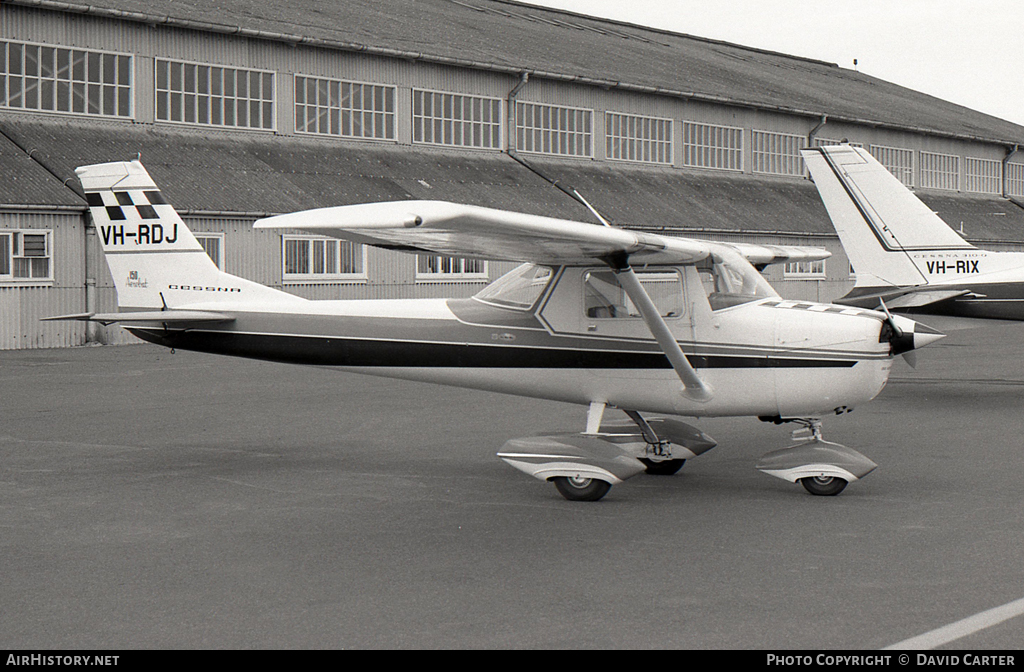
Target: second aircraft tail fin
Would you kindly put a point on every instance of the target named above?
(880, 222)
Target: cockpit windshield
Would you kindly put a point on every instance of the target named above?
(519, 288)
(730, 280)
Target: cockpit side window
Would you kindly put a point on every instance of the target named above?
(520, 288)
(730, 280)
(603, 297)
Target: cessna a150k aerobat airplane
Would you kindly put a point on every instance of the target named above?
(596, 315)
(903, 253)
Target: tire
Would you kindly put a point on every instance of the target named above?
(827, 486)
(581, 489)
(662, 467)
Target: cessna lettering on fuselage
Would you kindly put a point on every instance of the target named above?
(145, 234)
(694, 331)
(200, 288)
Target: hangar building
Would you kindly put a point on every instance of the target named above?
(246, 108)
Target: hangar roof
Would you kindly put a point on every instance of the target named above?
(254, 175)
(511, 37)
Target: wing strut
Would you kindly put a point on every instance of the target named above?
(693, 386)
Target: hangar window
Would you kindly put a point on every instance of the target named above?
(777, 153)
(547, 129)
(213, 243)
(829, 142)
(898, 161)
(311, 258)
(53, 79)
(1015, 179)
(984, 176)
(940, 171)
(709, 146)
(346, 109)
(455, 119)
(805, 270)
(194, 93)
(25, 255)
(438, 267)
(632, 138)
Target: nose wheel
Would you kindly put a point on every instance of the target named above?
(824, 486)
(822, 467)
(579, 489)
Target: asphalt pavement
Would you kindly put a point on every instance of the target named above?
(188, 501)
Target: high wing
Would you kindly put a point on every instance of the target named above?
(471, 231)
(763, 255)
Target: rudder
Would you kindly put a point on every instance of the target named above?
(153, 257)
(879, 221)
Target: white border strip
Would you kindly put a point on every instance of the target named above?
(962, 628)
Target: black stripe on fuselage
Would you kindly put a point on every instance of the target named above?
(353, 352)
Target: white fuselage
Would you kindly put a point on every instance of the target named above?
(768, 357)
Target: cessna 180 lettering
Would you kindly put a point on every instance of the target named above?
(595, 315)
(903, 253)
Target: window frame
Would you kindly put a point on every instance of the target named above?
(423, 276)
(311, 277)
(976, 181)
(81, 78)
(938, 177)
(324, 113)
(552, 137)
(695, 148)
(197, 96)
(14, 250)
(793, 270)
(1014, 179)
(495, 127)
(200, 236)
(892, 159)
(638, 145)
(769, 162)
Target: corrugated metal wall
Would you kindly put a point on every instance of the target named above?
(256, 255)
(22, 304)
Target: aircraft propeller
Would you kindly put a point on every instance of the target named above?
(905, 339)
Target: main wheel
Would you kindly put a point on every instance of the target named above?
(662, 467)
(577, 489)
(825, 486)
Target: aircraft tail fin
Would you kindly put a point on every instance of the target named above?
(155, 261)
(879, 221)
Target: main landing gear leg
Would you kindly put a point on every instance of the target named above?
(659, 461)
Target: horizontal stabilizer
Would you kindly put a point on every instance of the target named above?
(901, 299)
(148, 317)
(924, 298)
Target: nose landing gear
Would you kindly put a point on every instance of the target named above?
(822, 467)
